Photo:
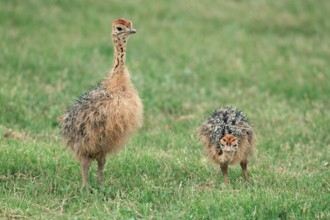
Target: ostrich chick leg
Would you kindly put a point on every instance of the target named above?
(224, 170)
(100, 163)
(85, 163)
(244, 168)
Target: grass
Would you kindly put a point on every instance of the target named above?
(269, 58)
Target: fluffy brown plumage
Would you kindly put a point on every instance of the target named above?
(228, 139)
(102, 120)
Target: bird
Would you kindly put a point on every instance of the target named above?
(228, 139)
(103, 119)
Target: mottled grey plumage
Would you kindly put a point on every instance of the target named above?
(223, 121)
(228, 139)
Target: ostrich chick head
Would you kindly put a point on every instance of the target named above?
(229, 143)
(122, 28)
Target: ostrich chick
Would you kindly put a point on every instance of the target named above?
(102, 120)
(228, 139)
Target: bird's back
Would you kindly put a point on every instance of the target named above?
(224, 121)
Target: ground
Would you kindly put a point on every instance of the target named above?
(268, 58)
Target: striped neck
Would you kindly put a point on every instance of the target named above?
(119, 54)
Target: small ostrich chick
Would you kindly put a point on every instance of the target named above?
(102, 120)
(228, 139)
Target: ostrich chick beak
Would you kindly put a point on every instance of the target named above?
(131, 31)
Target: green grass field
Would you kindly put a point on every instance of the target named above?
(268, 58)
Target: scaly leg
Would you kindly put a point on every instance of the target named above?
(85, 163)
(244, 168)
(224, 170)
(100, 162)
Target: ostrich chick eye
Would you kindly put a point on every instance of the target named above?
(119, 28)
